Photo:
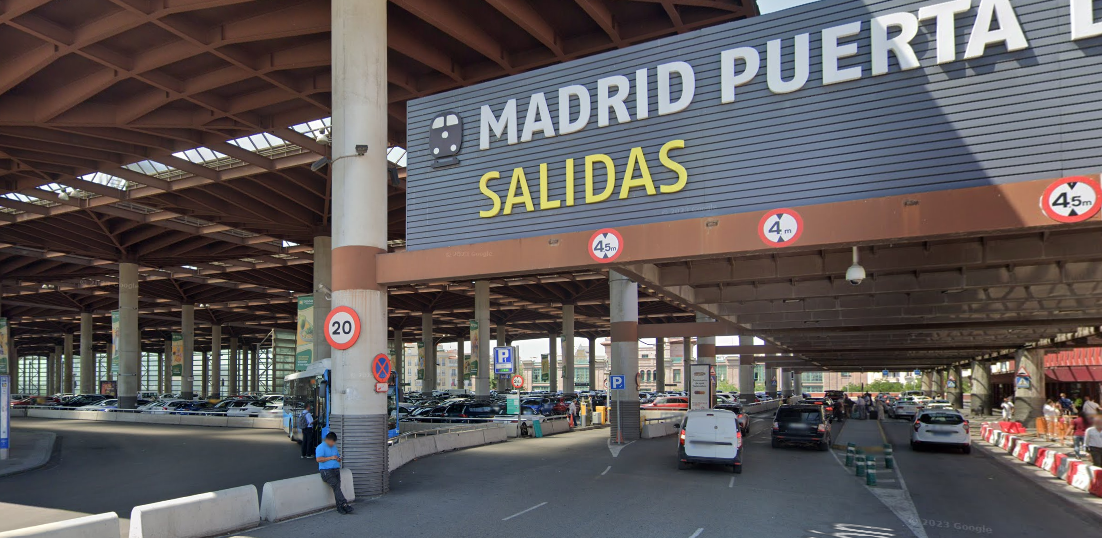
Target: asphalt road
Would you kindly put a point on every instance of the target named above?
(112, 467)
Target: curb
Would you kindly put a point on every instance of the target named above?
(1057, 489)
(42, 456)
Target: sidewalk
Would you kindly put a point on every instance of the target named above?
(29, 450)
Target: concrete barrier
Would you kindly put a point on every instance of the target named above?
(399, 454)
(147, 418)
(423, 446)
(285, 499)
(97, 526)
(497, 435)
(206, 514)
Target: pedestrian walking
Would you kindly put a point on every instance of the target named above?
(329, 466)
(1093, 439)
(1090, 407)
(1079, 434)
(859, 408)
(1008, 409)
(1066, 405)
(309, 439)
(572, 409)
(1046, 424)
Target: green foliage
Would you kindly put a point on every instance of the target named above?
(723, 386)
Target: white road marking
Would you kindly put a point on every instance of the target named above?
(732, 484)
(697, 533)
(615, 449)
(607, 469)
(524, 511)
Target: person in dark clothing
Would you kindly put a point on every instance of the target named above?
(309, 438)
(329, 465)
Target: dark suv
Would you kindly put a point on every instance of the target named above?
(473, 410)
(801, 424)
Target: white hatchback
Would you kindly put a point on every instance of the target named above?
(710, 436)
(944, 427)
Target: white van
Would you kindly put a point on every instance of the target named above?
(710, 436)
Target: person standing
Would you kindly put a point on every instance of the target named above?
(1066, 405)
(1008, 409)
(329, 466)
(1090, 407)
(859, 408)
(309, 440)
(1093, 439)
(1079, 434)
(1046, 425)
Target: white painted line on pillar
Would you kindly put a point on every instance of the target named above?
(524, 511)
(697, 533)
(732, 483)
(607, 469)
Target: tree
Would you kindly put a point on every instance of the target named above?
(723, 386)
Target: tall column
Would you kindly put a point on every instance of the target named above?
(503, 337)
(398, 361)
(166, 382)
(686, 360)
(956, 394)
(87, 356)
(771, 381)
(482, 315)
(130, 348)
(67, 375)
(624, 306)
(234, 379)
(51, 372)
(927, 382)
(746, 375)
(981, 387)
(568, 349)
(429, 383)
(1029, 402)
(187, 366)
(660, 364)
(359, 97)
(786, 382)
(593, 385)
(323, 276)
(553, 361)
(108, 362)
(254, 379)
(216, 360)
(460, 368)
(204, 385)
(245, 369)
(798, 383)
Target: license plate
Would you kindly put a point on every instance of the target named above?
(940, 432)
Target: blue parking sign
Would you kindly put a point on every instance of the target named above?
(503, 360)
(618, 382)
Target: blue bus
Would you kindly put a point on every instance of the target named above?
(312, 386)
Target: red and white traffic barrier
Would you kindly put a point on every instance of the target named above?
(1077, 474)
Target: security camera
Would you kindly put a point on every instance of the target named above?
(855, 274)
(361, 149)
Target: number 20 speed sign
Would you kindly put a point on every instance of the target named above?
(1071, 199)
(342, 327)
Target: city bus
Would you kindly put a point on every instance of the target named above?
(313, 386)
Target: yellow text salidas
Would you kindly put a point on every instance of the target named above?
(636, 175)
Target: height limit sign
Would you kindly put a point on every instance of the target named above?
(1071, 199)
(605, 245)
(780, 227)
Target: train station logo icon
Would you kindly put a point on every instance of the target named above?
(446, 139)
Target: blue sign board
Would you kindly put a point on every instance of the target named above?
(885, 372)
(918, 372)
(618, 382)
(503, 360)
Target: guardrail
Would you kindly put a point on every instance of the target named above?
(187, 418)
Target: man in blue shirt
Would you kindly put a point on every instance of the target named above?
(329, 465)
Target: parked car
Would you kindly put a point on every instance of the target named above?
(161, 407)
(801, 424)
(102, 405)
(185, 407)
(909, 407)
(252, 408)
(669, 402)
(939, 404)
(945, 427)
(710, 436)
(82, 400)
(481, 409)
(743, 418)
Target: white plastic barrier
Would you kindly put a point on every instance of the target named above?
(285, 499)
(97, 526)
(206, 514)
(148, 418)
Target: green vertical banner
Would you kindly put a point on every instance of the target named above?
(420, 361)
(304, 345)
(545, 367)
(177, 354)
(470, 367)
(115, 342)
(5, 348)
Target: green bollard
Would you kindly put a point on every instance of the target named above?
(849, 457)
(889, 457)
(870, 472)
(860, 465)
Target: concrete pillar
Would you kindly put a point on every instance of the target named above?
(624, 307)
(553, 361)
(482, 315)
(660, 364)
(254, 364)
(1029, 402)
(87, 356)
(130, 337)
(187, 367)
(798, 383)
(51, 372)
(429, 383)
(956, 394)
(503, 336)
(67, 372)
(216, 360)
(108, 362)
(204, 385)
(245, 369)
(568, 349)
(746, 376)
(233, 367)
(166, 382)
(398, 361)
(460, 368)
(771, 385)
(359, 97)
(927, 382)
(786, 382)
(981, 387)
(593, 385)
(323, 276)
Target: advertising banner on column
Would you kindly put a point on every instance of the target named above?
(545, 367)
(304, 345)
(5, 346)
(177, 354)
(420, 361)
(471, 366)
(700, 387)
(114, 343)
(5, 411)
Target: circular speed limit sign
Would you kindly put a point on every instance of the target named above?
(606, 245)
(518, 382)
(780, 227)
(342, 327)
(1072, 199)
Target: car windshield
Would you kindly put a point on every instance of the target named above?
(941, 418)
(799, 415)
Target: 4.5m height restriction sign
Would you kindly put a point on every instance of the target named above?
(605, 245)
(1071, 199)
(780, 227)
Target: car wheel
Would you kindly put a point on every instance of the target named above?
(824, 446)
(775, 443)
(737, 469)
(967, 449)
(683, 465)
